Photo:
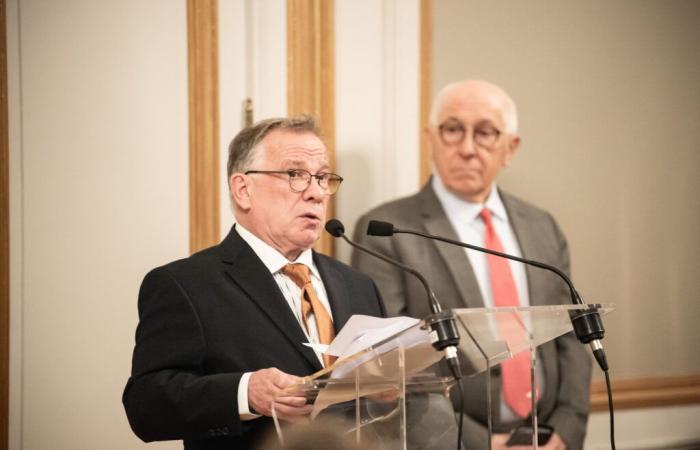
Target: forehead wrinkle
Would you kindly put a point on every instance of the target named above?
(301, 157)
(295, 149)
(461, 97)
(316, 147)
(461, 109)
(285, 139)
(299, 152)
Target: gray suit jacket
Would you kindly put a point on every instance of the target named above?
(566, 365)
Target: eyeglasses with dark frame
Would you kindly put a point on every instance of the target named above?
(300, 179)
(453, 132)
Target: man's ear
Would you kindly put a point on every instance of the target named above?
(426, 133)
(513, 146)
(240, 189)
(428, 139)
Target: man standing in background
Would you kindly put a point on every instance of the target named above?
(473, 135)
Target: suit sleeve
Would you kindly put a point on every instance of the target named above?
(169, 396)
(570, 414)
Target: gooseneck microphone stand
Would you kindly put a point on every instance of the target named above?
(586, 322)
(444, 333)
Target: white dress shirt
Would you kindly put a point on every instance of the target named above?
(464, 218)
(275, 261)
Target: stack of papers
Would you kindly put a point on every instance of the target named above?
(361, 332)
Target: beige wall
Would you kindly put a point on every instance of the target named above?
(377, 109)
(100, 172)
(609, 100)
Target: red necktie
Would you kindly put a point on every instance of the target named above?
(310, 302)
(515, 372)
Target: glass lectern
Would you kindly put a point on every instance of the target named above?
(394, 394)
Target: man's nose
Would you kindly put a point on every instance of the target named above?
(467, 147)
(314, 191)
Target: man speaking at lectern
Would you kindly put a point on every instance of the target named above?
(222, 332)
(473, 135)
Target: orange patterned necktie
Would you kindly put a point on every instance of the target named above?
(515, 372)
(310, 302)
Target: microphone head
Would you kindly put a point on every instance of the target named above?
(335, 227)
(379, 228)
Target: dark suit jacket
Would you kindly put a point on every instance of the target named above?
(566, 364)
(207, 319)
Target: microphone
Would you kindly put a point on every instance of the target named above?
(587, 324)
(444, 334)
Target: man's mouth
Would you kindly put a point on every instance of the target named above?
(311, 216)
(465, 172)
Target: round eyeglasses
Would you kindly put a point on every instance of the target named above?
(300, 179)
(453, 132)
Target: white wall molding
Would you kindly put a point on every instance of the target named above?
(377, 104)
(252, 64)
(401, 100)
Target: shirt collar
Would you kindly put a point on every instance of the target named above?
(274, 260)
(462, 211)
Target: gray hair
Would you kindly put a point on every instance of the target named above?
(244, 148)
(509, 110)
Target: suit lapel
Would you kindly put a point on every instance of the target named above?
(250, 274)
(529, 241)
(337, 291)
(436, 222)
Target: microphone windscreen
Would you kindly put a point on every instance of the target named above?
(379, 228)
(335, 227)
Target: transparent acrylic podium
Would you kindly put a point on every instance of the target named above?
(394, 394)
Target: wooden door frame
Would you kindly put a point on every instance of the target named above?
(203, 111)
(311, 76)
(4, 236)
